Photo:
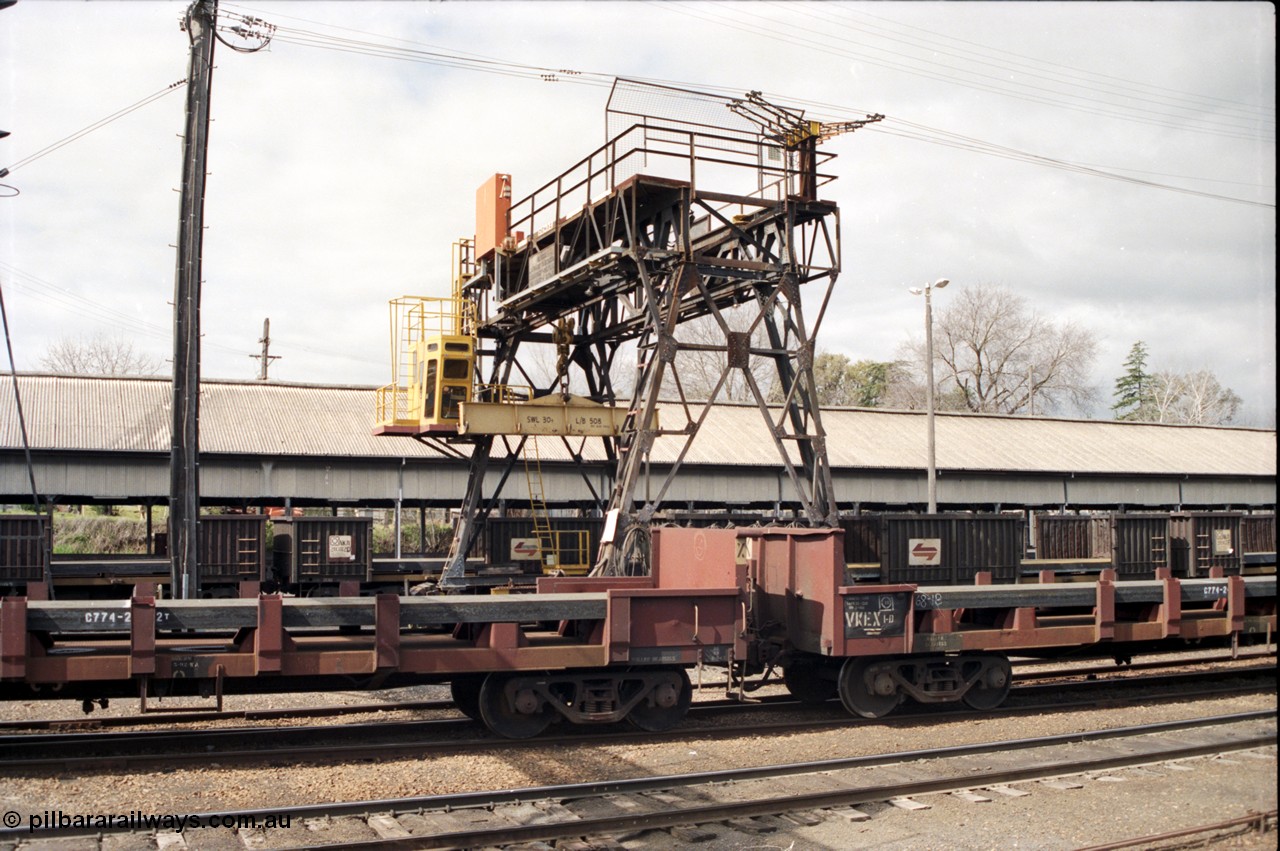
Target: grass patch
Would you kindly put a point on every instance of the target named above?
(76, 534)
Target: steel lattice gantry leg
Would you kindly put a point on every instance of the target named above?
(632, 267)
(500, 456)
(758, 264)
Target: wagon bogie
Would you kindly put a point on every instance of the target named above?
(873, 686)
(518, 706)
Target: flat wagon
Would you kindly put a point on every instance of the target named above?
(756, 602)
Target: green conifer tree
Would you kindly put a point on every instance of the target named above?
(1133, 389)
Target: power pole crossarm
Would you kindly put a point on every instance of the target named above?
(266, 357)
(828, 131)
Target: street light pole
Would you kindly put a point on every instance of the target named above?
(928, 390)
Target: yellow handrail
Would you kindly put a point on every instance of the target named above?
(506, 394)
(571, 541)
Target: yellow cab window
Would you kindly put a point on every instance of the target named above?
(429, 396)
(450, 398)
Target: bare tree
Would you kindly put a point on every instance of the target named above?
(702, 358)
(98, 355)
(1164, 389)
(1195, 398)
(995, 355)
(907, 393)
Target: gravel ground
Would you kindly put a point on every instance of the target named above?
(1106, 808)
(1133, 805)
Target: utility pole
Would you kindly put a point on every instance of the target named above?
(184, 466)
(265, 357)
(932, 469)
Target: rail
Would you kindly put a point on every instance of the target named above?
(505, 394)
(414, 318)
(571, 551)
(391, 405)
(676, 154)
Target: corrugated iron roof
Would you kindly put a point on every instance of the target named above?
(270, 418)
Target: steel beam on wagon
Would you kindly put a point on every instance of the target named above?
(1075, 594)
(116, 616)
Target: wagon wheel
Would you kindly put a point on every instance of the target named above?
(807, 685)
(666, 706)
(860, 694)
(465, 691)
(502, 705)
(992, 687)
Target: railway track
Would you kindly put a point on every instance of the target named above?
(1053, 670)
(745, 799)
(158, 718)
(1256, 822)
(87, 752)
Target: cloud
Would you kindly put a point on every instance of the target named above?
(339, 180)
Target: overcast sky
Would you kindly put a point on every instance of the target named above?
(339, 179)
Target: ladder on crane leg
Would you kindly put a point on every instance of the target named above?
(548, 551)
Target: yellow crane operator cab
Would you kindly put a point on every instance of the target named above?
(443, 373)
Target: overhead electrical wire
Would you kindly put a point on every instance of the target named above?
(1101, 84)
(936, 136)
(1096, 84)
(893, 126)
(434, 55)
(603, 78)
(946, 138)
(1034, 94)
(967, 144)
(443, 57)
(417, 51)
(63, 299)
(478, 62)
(1135, 85)
(97, 125)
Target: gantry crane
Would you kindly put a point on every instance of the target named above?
(624, 247)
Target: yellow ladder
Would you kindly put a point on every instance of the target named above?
(465, 319)
(538, 505)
